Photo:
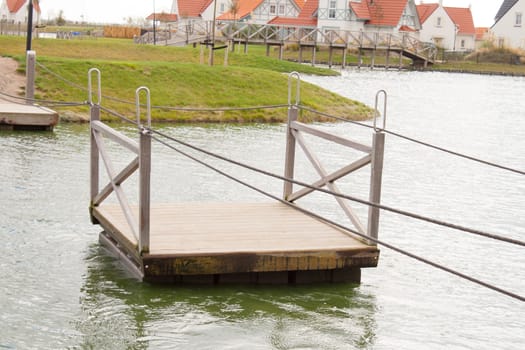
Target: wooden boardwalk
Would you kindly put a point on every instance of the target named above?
(241, 242)
(14, 116)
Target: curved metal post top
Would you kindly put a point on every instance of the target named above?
(298, 88)
(148, 105)
(90, 88)
(384, 109)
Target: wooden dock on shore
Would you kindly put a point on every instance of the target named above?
(14, 116)
(262, 242)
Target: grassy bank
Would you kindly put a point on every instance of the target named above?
(175, 78)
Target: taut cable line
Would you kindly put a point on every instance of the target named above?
(375, 240)
(411, 139)
(351, 198)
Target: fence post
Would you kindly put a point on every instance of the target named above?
(144, 172)
(94, 110)
(378, 146)
(293, 112)
(144, 191)
(376, 171)
(94, 161)
(30, 76)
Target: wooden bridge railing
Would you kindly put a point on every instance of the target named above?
(267, 33)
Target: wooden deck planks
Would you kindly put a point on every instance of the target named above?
(228, 238)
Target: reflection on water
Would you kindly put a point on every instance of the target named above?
(120, 312)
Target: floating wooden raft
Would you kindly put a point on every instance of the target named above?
(236, 242)
(18, 116)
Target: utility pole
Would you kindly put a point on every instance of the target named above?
(29, 25)
(154, 29)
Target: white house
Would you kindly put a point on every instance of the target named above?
(15, 11)
(263, 11)
(509, 30)
(451, 28)
(390, 16)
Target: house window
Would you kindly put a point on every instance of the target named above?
(517, 23)
(222, 8)
(438, 22)
(281, 9)
(272, 9)
(331, 8)
(463, 44)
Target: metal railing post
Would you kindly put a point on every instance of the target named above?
(94, 110)
(293, 113)
(144, 173)
(376, 172)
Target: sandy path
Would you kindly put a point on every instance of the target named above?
(11, 82)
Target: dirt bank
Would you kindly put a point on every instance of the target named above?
(11, 82)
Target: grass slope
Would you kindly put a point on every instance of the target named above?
(175, 78)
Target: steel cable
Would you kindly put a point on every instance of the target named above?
(426, 144)
(351, 198)
(331, 222)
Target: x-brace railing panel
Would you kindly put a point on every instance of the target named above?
(318, 166)
(139, 227)
(99, 130)
(373, 156)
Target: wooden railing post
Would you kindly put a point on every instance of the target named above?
(144, 172)
(94, 109)
(144, 191)
(378, 146)
(94, 161)
(290, 152)
(293, 112)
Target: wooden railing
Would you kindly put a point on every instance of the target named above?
(139, 221)
(267, 33)
(373, 155)
(100, 132)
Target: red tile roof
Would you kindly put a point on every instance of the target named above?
(192, 8)
(246, 7)
(462, 17)
(307, 17)
(425, 10)
(386, 12)
(481, 32)
(15, 5)
(296, 22)
(309, 9)
(360, 9)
